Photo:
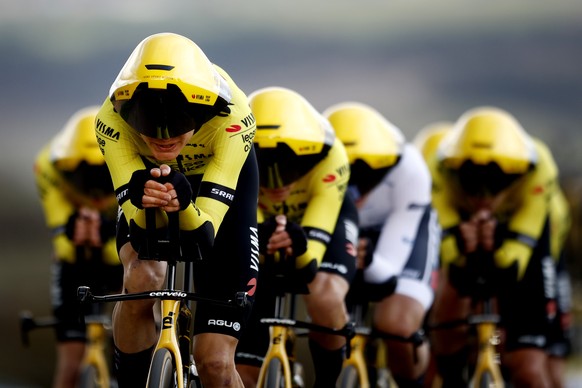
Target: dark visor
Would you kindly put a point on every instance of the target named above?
(163, 113)
(280, 166)
(93, 181)
(483, 180)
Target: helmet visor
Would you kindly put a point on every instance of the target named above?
(280, 166)
(364, 177)
(163, 113)
(91, 180)
(482, 180)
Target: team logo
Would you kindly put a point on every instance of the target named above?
(253, 286)
(233, 128)
(329, 178)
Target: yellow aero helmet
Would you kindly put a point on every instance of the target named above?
(373, 144)
(170, 59)
(489, 135)
(76, 142)
(75, 153)
(487, 151)
(366, 134)
(168, 87)
(291, 138)
(429, 137)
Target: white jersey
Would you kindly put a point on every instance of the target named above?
(400, 208)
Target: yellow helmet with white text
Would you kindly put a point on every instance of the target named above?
(168, 87)
(291, 138)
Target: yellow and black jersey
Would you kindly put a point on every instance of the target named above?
(60, 200)
(315, 201)
(524, 208)
(216, 152)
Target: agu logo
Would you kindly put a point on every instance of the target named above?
(233, 128)
(220, 322)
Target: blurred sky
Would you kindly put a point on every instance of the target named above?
(416, 61)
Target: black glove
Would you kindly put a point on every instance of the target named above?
(298, 238)
(136, 187)
(139, 178)
(107, 227)
(266, 230)
(70, 226)
(181, 186)
(370, 248)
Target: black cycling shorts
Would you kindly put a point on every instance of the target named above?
(66, 278)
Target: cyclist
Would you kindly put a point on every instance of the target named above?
(399, 233)
(177, 134)
(492, 186)
(79, 207)
(560, 341)
(303, 173)
(428, 138)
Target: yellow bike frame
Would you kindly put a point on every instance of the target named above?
(277, 350)
(487, 360)
(95, 352)
(168, 338)
(357, 359)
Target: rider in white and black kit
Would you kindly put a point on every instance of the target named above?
(399, 233)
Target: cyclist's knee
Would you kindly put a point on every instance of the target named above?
(215, 367)
(327, 292)
(402, 325)
(144, 276)
(528, 367)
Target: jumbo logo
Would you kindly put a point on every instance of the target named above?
(253, 286)
(329, 178)
(233, 128)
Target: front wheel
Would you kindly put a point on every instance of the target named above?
(162, 372)
(275, 375)
(486, 381)
(89, 378)
(349, 377)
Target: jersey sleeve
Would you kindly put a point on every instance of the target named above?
(527, 222)
(448, 215)
(56, 208)
(411, 195)
(120, 147)
(233, 141)
(328, 185)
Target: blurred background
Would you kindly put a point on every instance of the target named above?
(416, 62)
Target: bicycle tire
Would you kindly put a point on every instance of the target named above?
(89, 377)
(162, 372)
(486, 381)
(349, 377)
(275, 376)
